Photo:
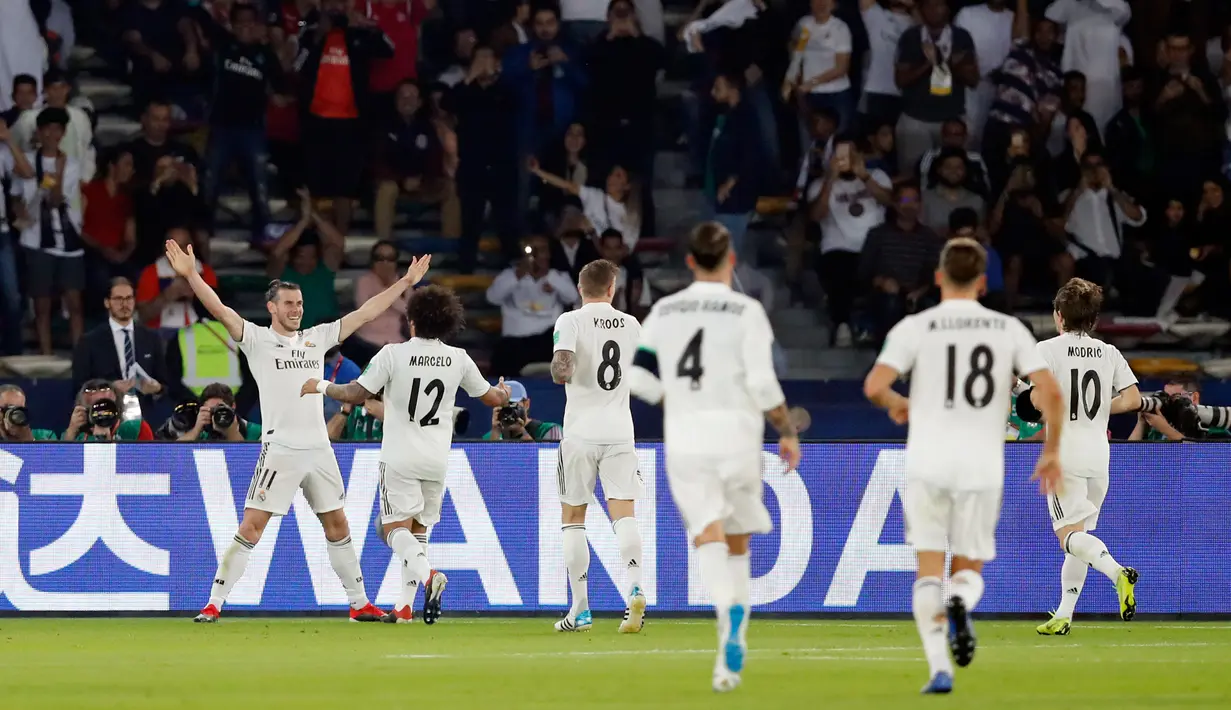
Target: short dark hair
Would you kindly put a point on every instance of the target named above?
(828, 114)
(24, 79)
(241, 7)
(119, 281)
(963, 260)
(276, 286)
(52, 116)
(436, 313)
(108, 157)
(708, 245)
(382, 244)
(955, 121)
(219, 390)
(610, 233)
(1188, 382)
(1079, 302)
(156, 101)
(545, 7)
(96, 384)
(1074, 75)
(962, 218)
(54, 75)
(596, 277)
(900, 187)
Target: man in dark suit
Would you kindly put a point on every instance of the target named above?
(123, 352)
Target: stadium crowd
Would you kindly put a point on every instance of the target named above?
(1038, 127)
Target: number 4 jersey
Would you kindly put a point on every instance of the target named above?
(603, 341)
(961, 358)
(1090, 372)
(420, 379)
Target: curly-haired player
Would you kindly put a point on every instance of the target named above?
(420, 379)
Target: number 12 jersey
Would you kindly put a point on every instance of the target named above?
(603, 341)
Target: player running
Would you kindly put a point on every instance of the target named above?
(420, 378)
(717, 385)
(1095, 382)
(961, 358)
(594, 346)
(295, 449)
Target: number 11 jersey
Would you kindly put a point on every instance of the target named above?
(603, 341)
(1090, 372)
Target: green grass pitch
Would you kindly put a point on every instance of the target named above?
(509, 664)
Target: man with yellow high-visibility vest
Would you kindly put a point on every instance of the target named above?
(209, 356)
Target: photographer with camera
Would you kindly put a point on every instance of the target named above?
(512, 422)
(213, 418)
(97, 417)
(15, 420)
(354, 422)
(1176, 414)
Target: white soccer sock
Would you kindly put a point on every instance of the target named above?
(740, 568)
(715, 567)
(1072, 579)
(415, 567)
(230, 569)
(346, 566)
(1092, 551)
(628, 537)
(967, 584)
(577, 562)
(929, 610)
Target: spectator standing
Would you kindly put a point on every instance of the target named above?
(1095, 214)
(334, 63)
(1028, 90)
(819, 72)
(531, 295)
(935, 67)
(25, 95)
(991, 26)
(1092, 40)
(400, 21)
(411, 163)
(515, 31)
(848, 203)
(615, 207)
(1028, 238)
(121, 351)
(1132, 138)
(734, 167)
(1190, 117)
(465, 40)
(309, 254)
(885, 25)
(162, 49)
(389, 327)
(78, 142)
(165, 302)
(950, 191)
(244, 72)
(49, 217)
(487, 160)
(569, 162)
(898, 261)
(572, 251)
(155, 142)
(1073, 131)
(879, 140)
(953, 136)
(964, 223)
(14, 165)
(109, 228)
(632, 293)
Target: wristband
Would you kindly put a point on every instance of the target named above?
(322, 386)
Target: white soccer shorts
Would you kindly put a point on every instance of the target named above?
(404, 496)
(281, 471)
(962, 522)
(579, 466)
(725, 489)
(1079, 501)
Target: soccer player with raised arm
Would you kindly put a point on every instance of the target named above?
(962, 359)
(1095, 382)
(295, 449)
(594, 346)
(705, 355)
(420, 379)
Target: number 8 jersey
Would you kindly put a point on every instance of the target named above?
(603, 341)
(1090, 373)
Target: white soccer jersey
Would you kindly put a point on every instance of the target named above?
(1090, 373)
(962, 358)
(420, 378)
(603, 341)
(712, 346)
(280, 365)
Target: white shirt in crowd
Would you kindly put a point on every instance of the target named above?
(420, 379)
(715, 367)
(1090, 372)
(78, 141)
(817, 46)
(992, 33)
(885, 28)
(1092, 46)
(621, 296)
(732, 14)
(1091, 224)
(280, 365)
(28, 191)
(530, 306)
(961, 358)
(6, 169)
(605, 212)
(853, 212)
(603, 341)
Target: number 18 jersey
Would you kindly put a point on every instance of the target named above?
(1090, 372)
(603, 341)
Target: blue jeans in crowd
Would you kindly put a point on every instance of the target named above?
(11, 302)
(229, 145)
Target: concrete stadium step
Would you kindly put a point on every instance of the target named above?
(114, 129)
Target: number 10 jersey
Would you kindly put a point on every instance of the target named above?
(603, 341)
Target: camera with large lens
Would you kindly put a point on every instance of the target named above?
(222, 416)
(184, 417)
(104, 413)
(15, 417)
(511, 415)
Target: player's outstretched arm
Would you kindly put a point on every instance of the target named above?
(382, 301)
(1128, 400)
(788, 436)
(563, 363)
(497, 396)
(878, 388)
(351, 393)
(184, 263)
(643, 380)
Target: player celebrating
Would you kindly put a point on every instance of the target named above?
(594, 345)
(962, 358)
(1096, 382)
(717, 384)
(420, 378)
(295, 449)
